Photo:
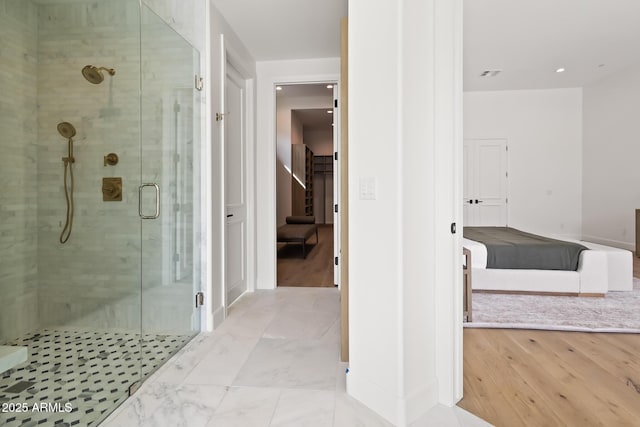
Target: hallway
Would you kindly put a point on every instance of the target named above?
(273, 362)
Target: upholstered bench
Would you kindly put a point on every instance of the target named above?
(298, 229)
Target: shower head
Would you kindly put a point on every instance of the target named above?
(94, 74)
(66, 129)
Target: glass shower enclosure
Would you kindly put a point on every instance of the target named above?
(99, 208)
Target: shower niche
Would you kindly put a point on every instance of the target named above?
(102, 310)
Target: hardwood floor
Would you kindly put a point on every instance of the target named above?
(314, 271)
(549, 378)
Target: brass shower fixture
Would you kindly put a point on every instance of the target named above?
(94, 74)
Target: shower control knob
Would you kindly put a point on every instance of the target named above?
(111, 159)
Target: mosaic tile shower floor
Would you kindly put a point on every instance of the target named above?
(76, 378)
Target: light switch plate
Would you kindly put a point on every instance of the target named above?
(368, 188)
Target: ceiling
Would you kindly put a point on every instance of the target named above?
(529, 39)
(286, 29)
(314, 119)
(302, 90)
(526, 39)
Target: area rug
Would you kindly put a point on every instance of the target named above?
(616, 312)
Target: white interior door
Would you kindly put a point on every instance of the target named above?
(235, 185)
(485, 182)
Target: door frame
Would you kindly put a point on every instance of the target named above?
(337, 198)
(270, 75)
(233, 76)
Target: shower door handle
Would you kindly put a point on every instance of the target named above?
(157, 212)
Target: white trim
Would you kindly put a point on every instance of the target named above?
(458, 137)
(222, 209)
(206, 316)
(414, 402)
(391, 407)
(219, 315)
(382, 401)
(448, 121)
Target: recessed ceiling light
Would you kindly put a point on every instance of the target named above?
(560, 70)
(329, 86)
(330, 111)
(278, 87)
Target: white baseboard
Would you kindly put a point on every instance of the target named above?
(400, 411)
(608, 242)
(421, 401)
(218, 317)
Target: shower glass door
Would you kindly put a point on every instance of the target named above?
(109, 87)
(170, 190)
(70, 307)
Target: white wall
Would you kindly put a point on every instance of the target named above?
(404, 282)
(611, 152)
(319, 141)
(543, 129)
(271, 73)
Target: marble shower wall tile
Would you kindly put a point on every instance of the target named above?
(88, 280)
(18, 138)
(187, 17)
(94, 279)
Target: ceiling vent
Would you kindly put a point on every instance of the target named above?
(490, 73)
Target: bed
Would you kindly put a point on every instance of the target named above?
(598, 269)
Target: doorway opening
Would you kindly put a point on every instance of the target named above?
(306, 183)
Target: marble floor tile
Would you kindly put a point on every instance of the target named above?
(444, 416)
(246, 407)
(241, 375)
(250, 323)
(300, 324)
(351, 413)
(341, 376)
(161, 404)
(313, 299)
(333, 334)
(289, 363)
(223, 361)
(176, 370)
(468, 419)
(309, 408)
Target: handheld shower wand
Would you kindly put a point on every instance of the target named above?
(68, 131)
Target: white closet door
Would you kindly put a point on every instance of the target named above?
(485, 182)
(235, 186)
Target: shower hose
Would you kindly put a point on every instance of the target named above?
(68, 194)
